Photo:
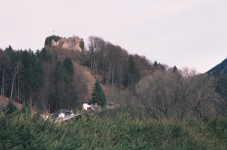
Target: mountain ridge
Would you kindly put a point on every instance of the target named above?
(220, 68)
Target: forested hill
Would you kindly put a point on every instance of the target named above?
(53, 78)
(219, 69)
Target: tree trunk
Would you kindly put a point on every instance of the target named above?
(30, 99)
(18, 90)
(97, 67)
(108, 74)
(112, 81)
(49, 103)
(15, 73)
(121, 80)
(129, 81)
(12, 88)
(3, 82)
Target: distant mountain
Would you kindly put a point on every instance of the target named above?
(220, 68)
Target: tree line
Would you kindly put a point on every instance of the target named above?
(158, 91)
(47, 78)
(115, 64)
(43, 79)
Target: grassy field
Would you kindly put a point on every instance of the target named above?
(26, 131)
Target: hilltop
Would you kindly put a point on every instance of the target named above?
(70, 43)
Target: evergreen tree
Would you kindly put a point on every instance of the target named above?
(57, 80)
(155, 64)
(2, 109)
(131, 65)
(57, 76)
(9, 50)
(174, 69)
(81, 44)
(39, 75)
(26, 108)
(44, 55)
(104, 80)
(98, 95)
(133, 72)
(161, 67)
(72, 100)
(10, 108)
(68, 66)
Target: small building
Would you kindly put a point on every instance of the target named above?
(63, 113)
(86, 104)
(109, 104)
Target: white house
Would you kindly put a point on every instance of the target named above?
(87, 105)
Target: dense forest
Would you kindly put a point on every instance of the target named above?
(38, 78)
(48, 80)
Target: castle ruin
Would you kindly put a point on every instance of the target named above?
(71, 43)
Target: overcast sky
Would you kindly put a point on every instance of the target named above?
(189, 33)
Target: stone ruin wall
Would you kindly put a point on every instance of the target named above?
(71, 43)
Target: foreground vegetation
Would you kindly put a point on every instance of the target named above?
(21, 130)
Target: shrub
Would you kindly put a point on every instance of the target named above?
(10, 108)
(19, 131)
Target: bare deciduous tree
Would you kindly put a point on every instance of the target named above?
(168, 94)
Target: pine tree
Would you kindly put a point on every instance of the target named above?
(10, 108)
(26, 108)
(81, 44)
(131, 65)
(98, 95)
(39, 75)
(131, 72)
(155, 64)
(175, 69)
(68, 66)
(44, 54)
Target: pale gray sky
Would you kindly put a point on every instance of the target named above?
(189, 33)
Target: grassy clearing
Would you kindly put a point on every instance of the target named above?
(26, 131)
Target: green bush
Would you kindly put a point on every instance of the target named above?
(48, 41)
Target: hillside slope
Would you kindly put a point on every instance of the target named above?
(4, 102)
(90, 81)
(220, 68)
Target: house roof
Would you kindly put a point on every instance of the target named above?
(85, 100)
(109, 103)
(62, 111)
